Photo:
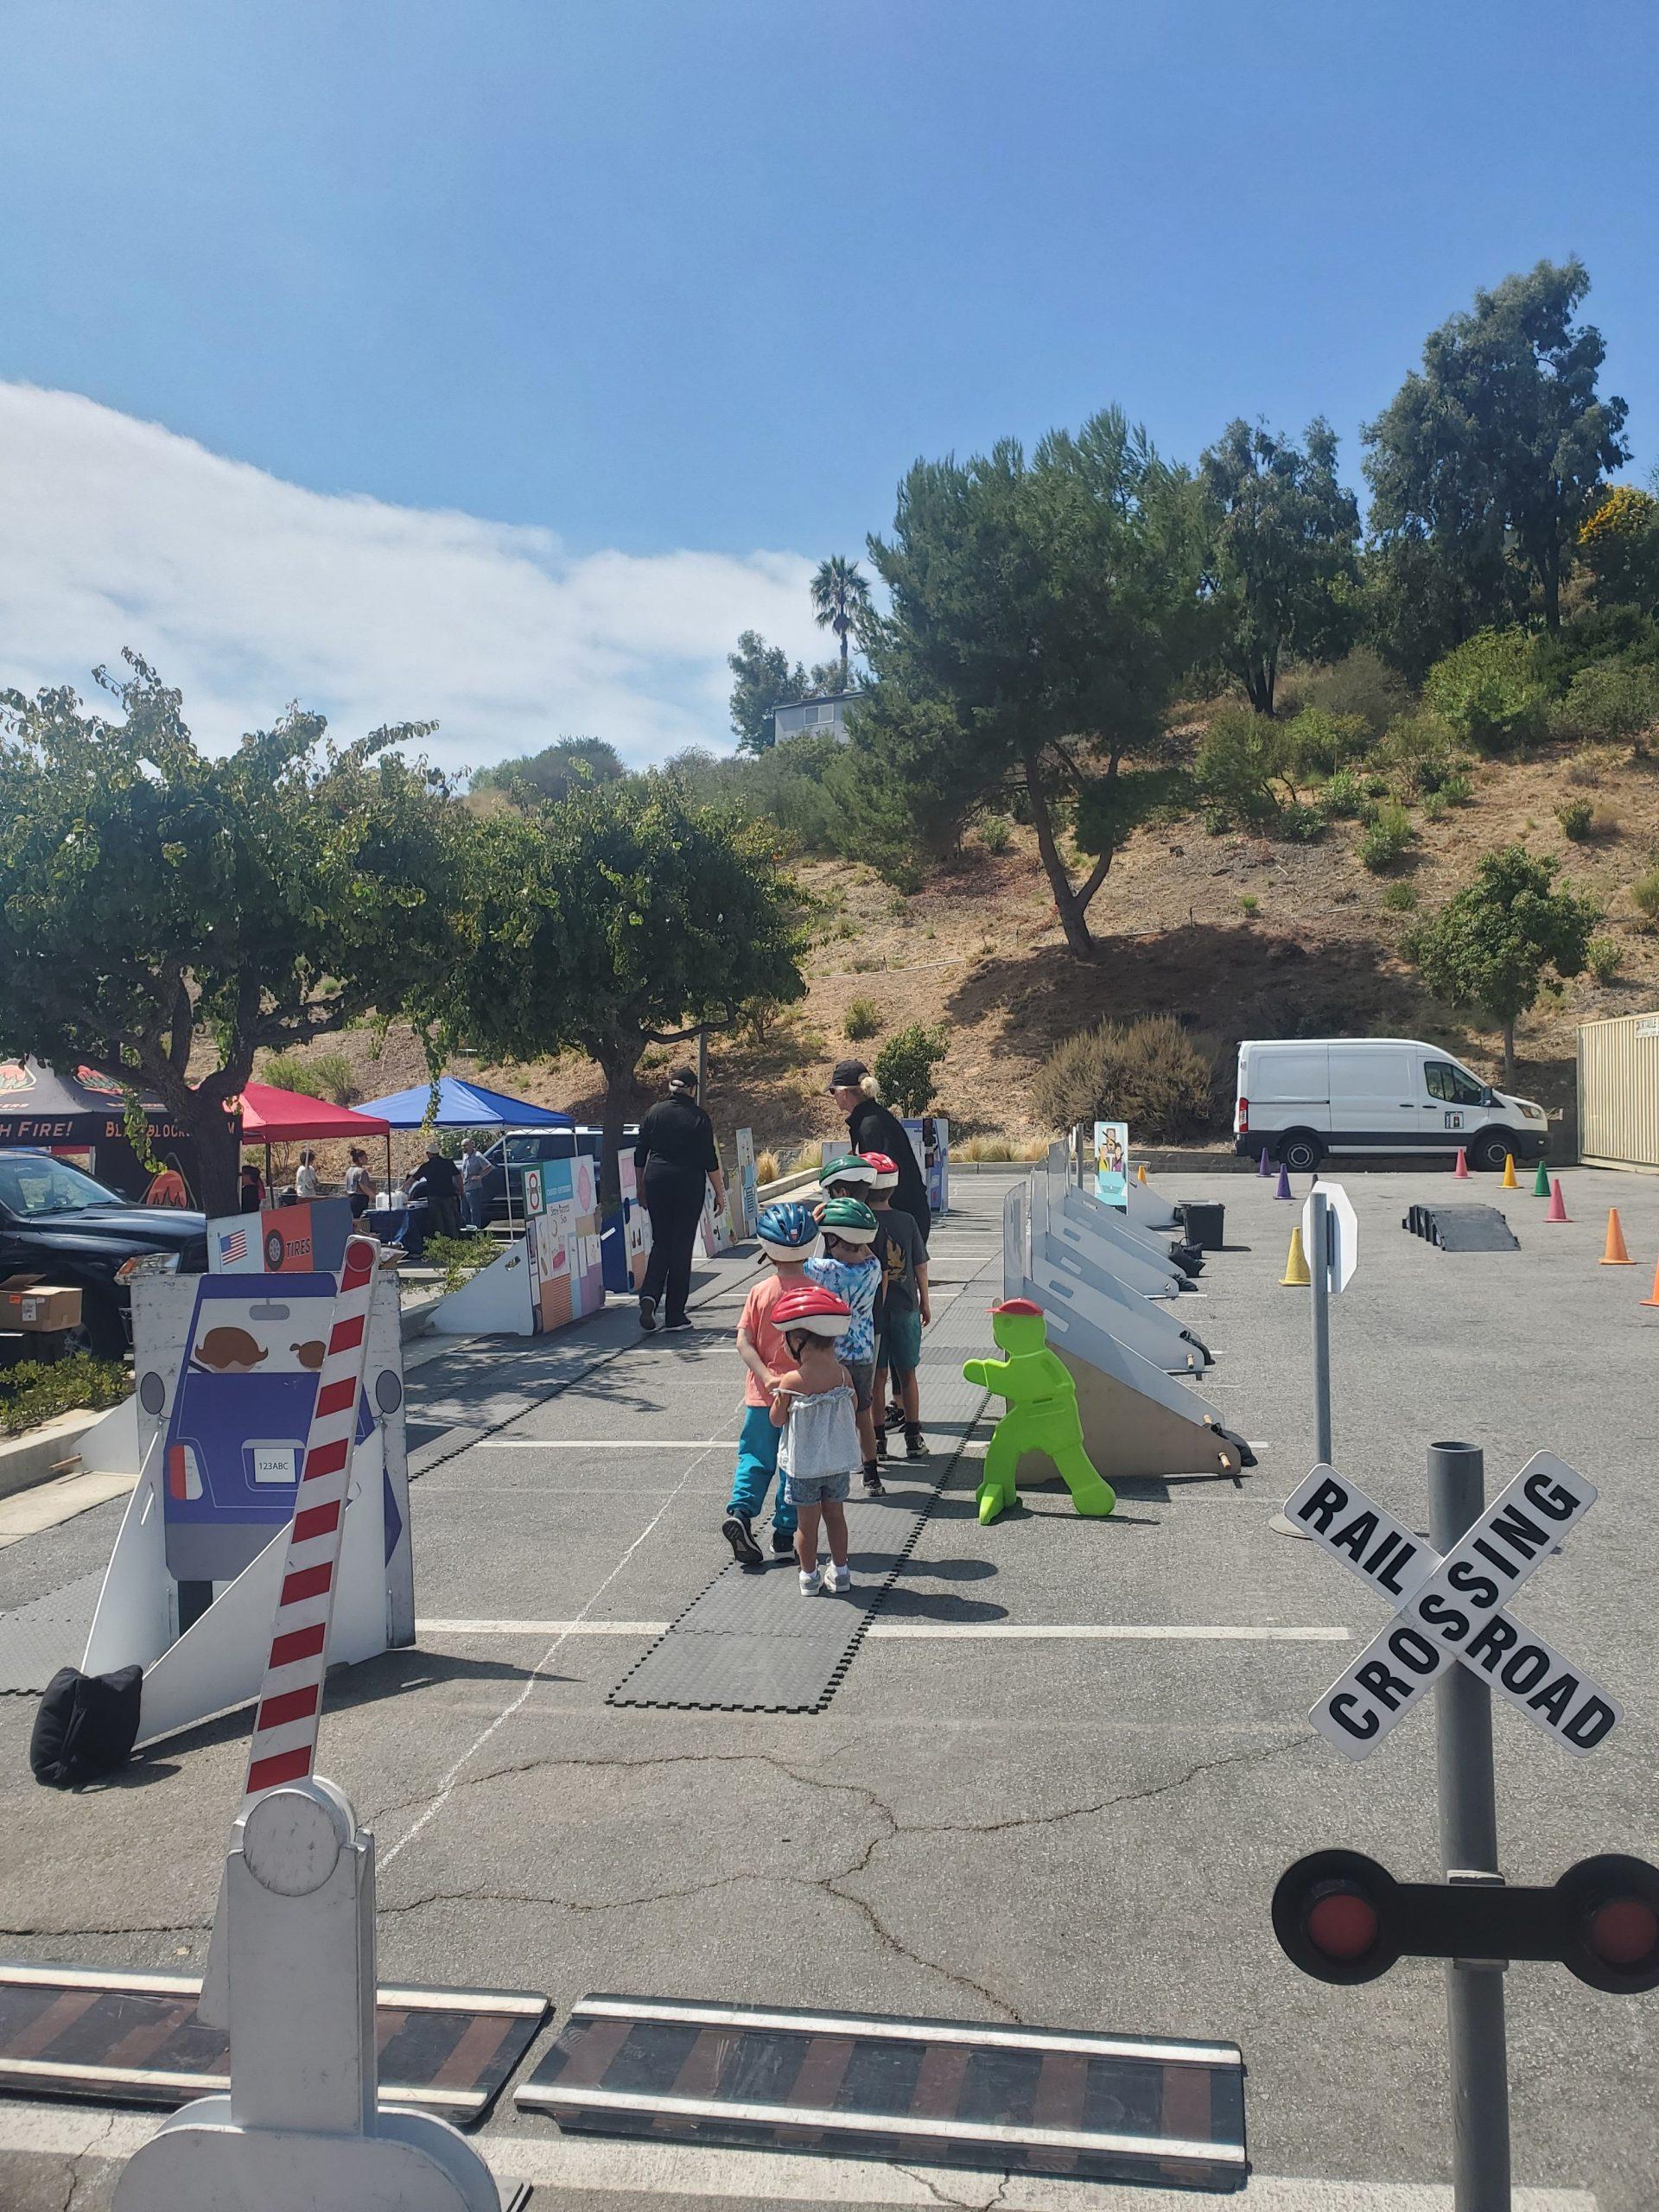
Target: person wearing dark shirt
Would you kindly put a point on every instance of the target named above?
(675, 1156)
(438, 1181)
(871, 1128)
(250, 1197)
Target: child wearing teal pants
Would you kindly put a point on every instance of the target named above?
(788, 1235)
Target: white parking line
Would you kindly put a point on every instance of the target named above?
(1109, 1632)
(601, 1444)
(540, 1628)
(642, 2170)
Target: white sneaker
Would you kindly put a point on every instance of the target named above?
(838, 1578)
(810, 1584)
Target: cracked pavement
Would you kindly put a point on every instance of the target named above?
(1066, 1834)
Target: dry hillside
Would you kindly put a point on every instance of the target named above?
(977, 950)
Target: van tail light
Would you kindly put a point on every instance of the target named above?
(1243, 1118)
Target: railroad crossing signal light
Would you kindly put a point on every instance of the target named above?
(1341, 1918)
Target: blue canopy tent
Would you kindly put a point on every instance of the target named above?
(464, 1105)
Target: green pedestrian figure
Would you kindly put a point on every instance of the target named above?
(1042, 1414)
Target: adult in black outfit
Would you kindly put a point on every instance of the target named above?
(673, 1158)
(871, 1128)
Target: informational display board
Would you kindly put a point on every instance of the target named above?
(930, 1140)
(302, 1239)
(1112, 1163)
(636, 1222)
(748, 1206)
(562, 1239)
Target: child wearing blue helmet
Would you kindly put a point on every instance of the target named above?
(788, 1235)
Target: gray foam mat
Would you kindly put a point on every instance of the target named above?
(50, 1632)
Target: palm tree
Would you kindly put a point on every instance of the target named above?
(841, 594)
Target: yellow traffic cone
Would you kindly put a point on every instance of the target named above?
(1510, 1182)
(1296, 1276)
(1140, 1173)
(1613, 1253)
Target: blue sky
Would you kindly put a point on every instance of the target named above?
(648, 289)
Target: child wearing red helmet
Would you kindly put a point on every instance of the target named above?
(813, 1404)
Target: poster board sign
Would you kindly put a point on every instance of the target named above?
(1112, 1163)
(305, 1239)
(748, 1186)
(930, 1140)
(562, 1241)
(636, 1222)
(714, 1230)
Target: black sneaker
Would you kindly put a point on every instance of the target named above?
(915, 1446)
(881, 1442)
(895, 1413)
(873, 1486)
(738, 1533)
(685, 1322)
(783, 1542)
(648, 1315)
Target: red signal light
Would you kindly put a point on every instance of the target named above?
(1343, 1923)
(1625, 1932)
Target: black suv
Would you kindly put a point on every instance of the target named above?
(57, 1224)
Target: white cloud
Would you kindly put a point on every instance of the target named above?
(247, 592)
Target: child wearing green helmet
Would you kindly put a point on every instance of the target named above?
(851, 1269)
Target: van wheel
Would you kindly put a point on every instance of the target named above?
(1301, 1152)
(1489, 1152)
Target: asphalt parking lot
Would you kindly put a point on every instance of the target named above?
(1056, 1786)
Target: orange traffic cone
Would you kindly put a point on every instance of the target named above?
(1613, 1253)
(1461, 1171)
(1140, 1172)
(1511, 1181)
(1652, 1298)
(1557, 1203)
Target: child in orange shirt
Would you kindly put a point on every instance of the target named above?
(788, 1235)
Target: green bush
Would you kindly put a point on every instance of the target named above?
(1240, 757)
(1576, 817)
(1490, 690)
(1456, 791)
(324, 1075)
(1151, 1073)
(1611, 699)
(1434, 807)
(1400, 897)
(864, 1019)
(1251, 902)
(1361, 686)
(461, 1257)
(1377, 787)
(904, 1068)
(1386, 840)
(1343, 796)
(34, 1391)
(996, 833)
(1603, 956)
(1421, 754)
(1299, 822)
(1644, 891)
(1317, 743)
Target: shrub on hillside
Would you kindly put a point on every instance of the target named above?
(864, 1019)
(325, 1075)
(1240, 757)
(996, 833)
(1386, 839)
(1576, 817)
(1317, 743)
(1400, 897)
(1363, 685)
(1420, 753)
(1343, 797)
(1151, 1073)
(1644, 894)
(1610, 699)
(1603, 956)
(1489, 691)
(904, 1068)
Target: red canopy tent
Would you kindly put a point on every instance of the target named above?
(272, 1116)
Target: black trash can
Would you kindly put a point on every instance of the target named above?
(1202, 1220)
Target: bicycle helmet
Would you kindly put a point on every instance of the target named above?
(850, 1219)
(787, 1230)
(886, 1170)
(819, 1312)
(852, 1168)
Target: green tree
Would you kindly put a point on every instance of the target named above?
(155, 898)
(904, 1068)
(1042, 611)
(764, 680)
(1283, 566)
(630, 915)
(841, 602)
(1484, 464)
(554, 772)
(1493, 942)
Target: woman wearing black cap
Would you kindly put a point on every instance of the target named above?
(871, 1128)
(673, 1158)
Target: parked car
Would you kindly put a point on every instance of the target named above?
(1301, 1097)
(59, 1224)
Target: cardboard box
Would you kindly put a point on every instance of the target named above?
(38, 1307)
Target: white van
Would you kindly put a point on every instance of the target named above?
(1301, 1097)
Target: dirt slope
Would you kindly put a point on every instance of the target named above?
(977, 950)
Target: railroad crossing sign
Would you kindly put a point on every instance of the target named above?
(1341, 1233)
(1452, 1608)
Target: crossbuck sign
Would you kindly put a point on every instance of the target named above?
(1452, 1608)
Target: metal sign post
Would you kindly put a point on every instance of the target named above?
(1451, 1627)
(1317, 1242)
